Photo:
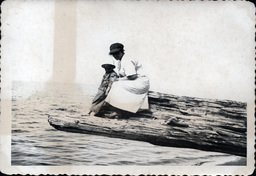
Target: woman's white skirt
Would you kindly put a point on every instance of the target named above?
(129, 95)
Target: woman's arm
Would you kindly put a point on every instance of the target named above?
(132, 77)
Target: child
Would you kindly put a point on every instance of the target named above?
(108, 78)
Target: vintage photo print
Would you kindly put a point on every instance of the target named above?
(127, 87)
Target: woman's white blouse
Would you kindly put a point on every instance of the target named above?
(124, 68)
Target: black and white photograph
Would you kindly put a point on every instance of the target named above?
(127, 87)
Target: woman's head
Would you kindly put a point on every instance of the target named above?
(117, 50)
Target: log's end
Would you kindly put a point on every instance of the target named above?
(55, 122)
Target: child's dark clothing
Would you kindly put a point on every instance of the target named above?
(107, 80)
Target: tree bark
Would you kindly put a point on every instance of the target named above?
(204, 124)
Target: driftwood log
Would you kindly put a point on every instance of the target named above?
(204, 124)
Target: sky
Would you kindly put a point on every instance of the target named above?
(199, 49)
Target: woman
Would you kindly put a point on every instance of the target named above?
(130, 93)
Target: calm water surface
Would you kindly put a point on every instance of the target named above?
(35, 142)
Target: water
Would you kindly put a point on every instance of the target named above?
(35, 142)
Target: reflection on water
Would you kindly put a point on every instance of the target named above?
(35, 142)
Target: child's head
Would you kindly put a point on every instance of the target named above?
(108, 67)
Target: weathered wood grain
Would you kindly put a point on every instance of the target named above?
(210, 125)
